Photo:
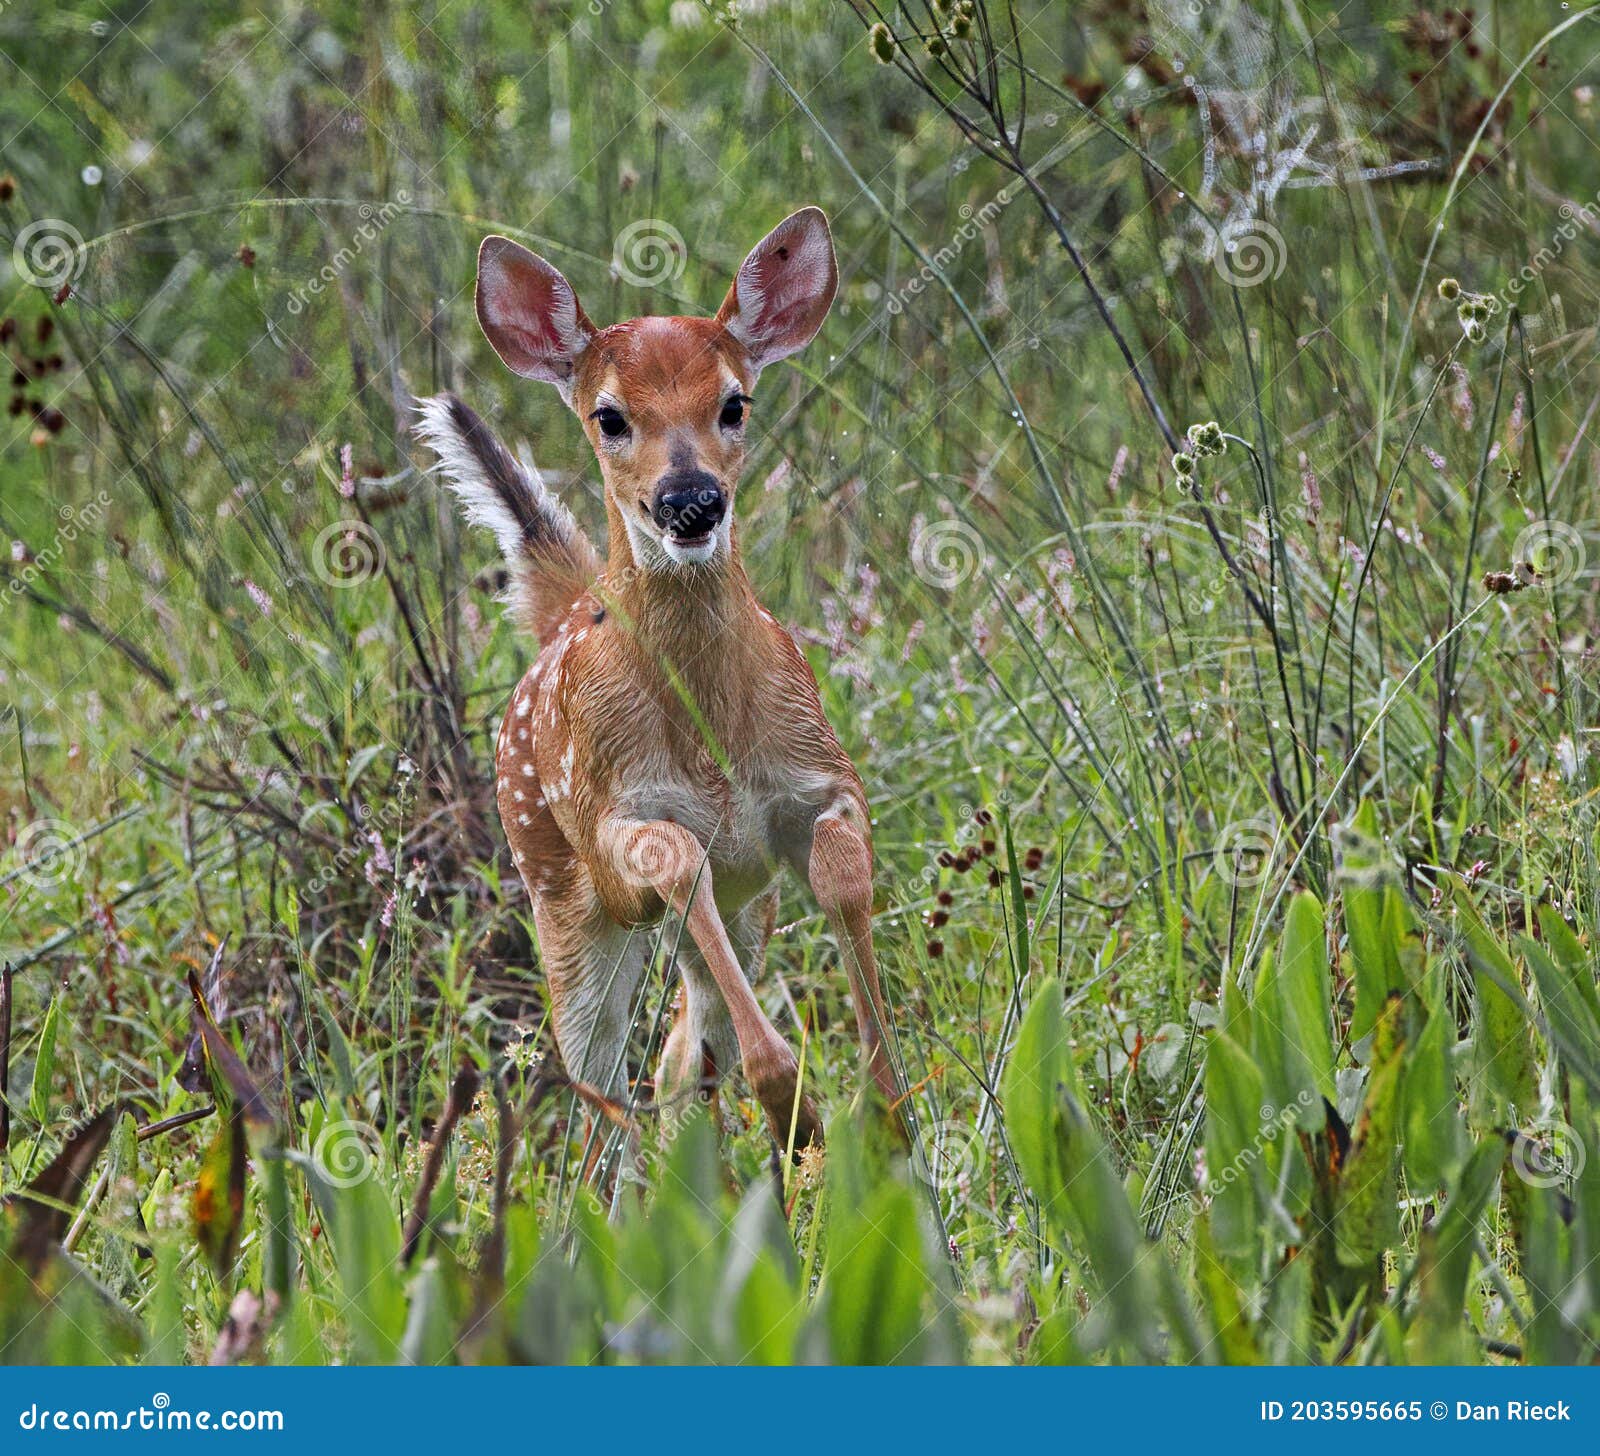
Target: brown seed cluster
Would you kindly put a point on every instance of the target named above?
(31, 360)
(971, 857)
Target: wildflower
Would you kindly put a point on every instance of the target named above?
(913, 636)
(880, 41)
(247, 255)
(259, 597)
(1476, 333)
(1183, 465)
(347, 471)
(1449, 289)
(1310, 491)
(1118, 465)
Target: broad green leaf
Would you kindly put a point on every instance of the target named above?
(1503, 1048)
(1067, 1166)
(1232, 1342)
(219, 1194)
(1290, 1017)
(1365, 1216)
(1565, 977)
(1434, 1135)
(1233, 1146)
(1376, 919)
(1438, 1334)
(875, 1282)
(1303, 973)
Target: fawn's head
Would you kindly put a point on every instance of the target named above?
(664, 401)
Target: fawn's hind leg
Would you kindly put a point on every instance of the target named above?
(594, 968)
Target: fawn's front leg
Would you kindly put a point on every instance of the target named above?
(840, 872)
(669, 859)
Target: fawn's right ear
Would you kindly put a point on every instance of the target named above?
(530, 314)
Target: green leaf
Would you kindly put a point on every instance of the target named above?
(1066, 1164)
(1438, 1334)
(219, 1194)
(1232, 1342)
(1233, 1146)
(875, 1282)
(1303, 972)
(1434, 1135)
(1290, 1017)
(1567, 994)
(1376, 919)
(1366, 1219)
(1502, 1044)
(44, 1064)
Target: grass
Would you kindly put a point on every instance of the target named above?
(1279, 769)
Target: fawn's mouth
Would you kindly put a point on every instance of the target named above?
(693, 550)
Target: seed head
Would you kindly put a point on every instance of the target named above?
(1476, 333)
(1207, 439)
(881, 42)
(1183, 464)
(1449, 290)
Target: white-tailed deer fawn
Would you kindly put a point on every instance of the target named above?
(667, 752)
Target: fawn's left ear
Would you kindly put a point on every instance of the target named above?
(782, 291)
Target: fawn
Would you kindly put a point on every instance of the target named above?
(667, 751)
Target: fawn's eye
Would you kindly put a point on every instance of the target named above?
(732, 415)
(613, 423)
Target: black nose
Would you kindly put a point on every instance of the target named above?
(688, 503)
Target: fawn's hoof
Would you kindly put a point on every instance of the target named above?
(775, 1080)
